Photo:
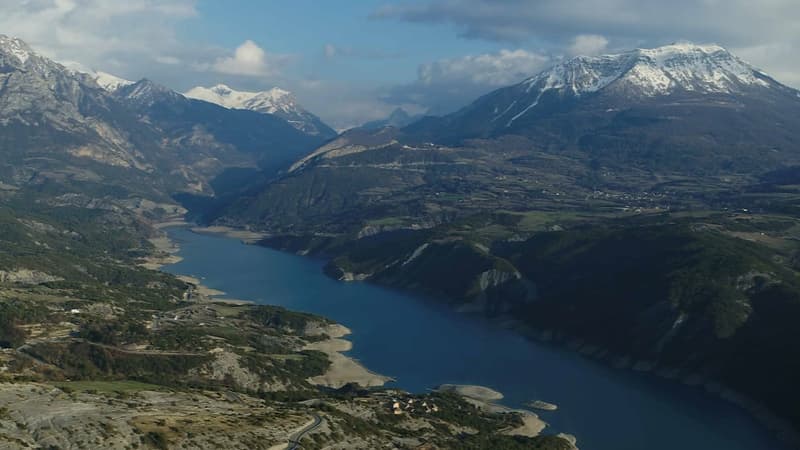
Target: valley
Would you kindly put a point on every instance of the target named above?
(638, 210)
(127, 357)
(422, 343)
(606, 219)
(99, 349)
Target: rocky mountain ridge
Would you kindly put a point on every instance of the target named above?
(274, 101)
(61, 125)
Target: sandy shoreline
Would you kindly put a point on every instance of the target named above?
(343, 369)
(486, 398)
(165, 254)
(246, 236)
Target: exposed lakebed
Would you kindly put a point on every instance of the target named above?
(422, 344)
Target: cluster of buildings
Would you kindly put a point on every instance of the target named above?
(411, 405)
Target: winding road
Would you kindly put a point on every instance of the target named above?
(294, 440)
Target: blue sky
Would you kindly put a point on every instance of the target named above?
(383, 50)
(353, 61)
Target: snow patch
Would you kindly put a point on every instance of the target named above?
(522, 113)
(16, 48)
(270, 102)
(658, 71)
(504, 112)
(110, 82)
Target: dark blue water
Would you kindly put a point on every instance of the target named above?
(423, 345)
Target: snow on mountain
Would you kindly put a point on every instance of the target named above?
(269, 102)
(145, 93)
(16, 47)
(41, 99)
(658, 71)
(275, 101)
(640, 73)
(22, 56)
(15, 54)
(110, 82)
(575, 95)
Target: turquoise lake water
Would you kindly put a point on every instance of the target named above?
(422, 344)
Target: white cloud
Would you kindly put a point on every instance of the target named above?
(445, 85)
(107, 35)
(341, 105)
(169, 60)
(491, 69)
(778, 59)
(588, 45)
(769, 24)
(249, 59)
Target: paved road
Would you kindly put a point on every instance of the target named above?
(294, 440)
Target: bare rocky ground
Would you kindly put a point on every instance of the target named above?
(109, 416)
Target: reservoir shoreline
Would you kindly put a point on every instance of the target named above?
(343, 370)
(543, 356)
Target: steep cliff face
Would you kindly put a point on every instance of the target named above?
(689, 303)
(48, 108)
(500, 291)
(91, 132)
(457, 271)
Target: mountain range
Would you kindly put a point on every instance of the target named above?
(640, 207)
(677, 106)
(65, 126)
(631, 122)
(275, 101)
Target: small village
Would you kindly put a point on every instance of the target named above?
(411, 406)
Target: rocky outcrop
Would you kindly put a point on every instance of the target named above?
(26, 276)
(494, 278)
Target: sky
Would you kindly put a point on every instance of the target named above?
(350, 61)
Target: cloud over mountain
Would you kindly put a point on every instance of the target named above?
(761, 31)
(447, 84)
(249, 59)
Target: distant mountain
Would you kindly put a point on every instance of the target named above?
(47, 108)
(648, 106)
(60, 126)
(632, 122)
(275, 101)
(273, 141)
(399, 118)
(110, 82)
(145, 94)
(641, 208)
(105, 80)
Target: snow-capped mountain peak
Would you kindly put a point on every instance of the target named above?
(269, 102)
(584, 90)
(275, 101)
(16, 48)
(146, 93)
(651, 72)
(110, 82)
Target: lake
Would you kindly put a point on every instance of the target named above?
(423, 344)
